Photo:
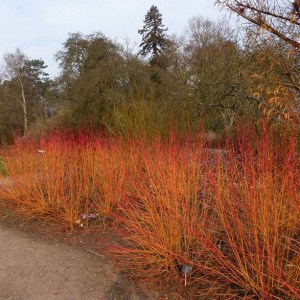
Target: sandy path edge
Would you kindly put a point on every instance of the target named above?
(32, 268)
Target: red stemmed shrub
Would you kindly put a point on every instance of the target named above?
(231, 217)
(63, 176)
(220, 224)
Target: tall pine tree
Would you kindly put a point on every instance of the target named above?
(154, 41)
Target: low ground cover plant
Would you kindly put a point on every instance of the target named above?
(221, 224)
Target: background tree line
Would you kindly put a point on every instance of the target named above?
(212, 75)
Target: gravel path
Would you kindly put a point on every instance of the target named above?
(35, 269)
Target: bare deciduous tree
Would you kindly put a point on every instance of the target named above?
(15, 71)
(214, 65)
(273, 28)
(279, 17)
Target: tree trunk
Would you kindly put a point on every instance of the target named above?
(25, 116)
(24, 106)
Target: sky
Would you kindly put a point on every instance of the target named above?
(39, 27)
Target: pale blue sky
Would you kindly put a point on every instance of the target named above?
(39, 27)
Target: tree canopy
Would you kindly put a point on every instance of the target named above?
(208, 76)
